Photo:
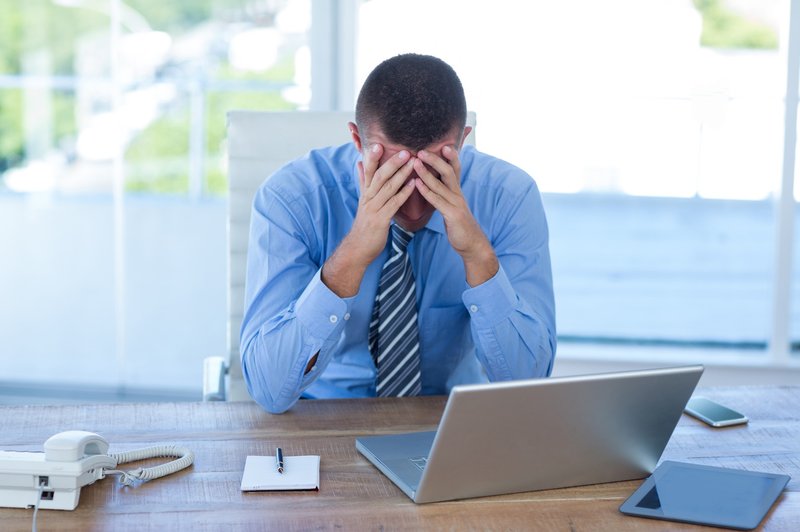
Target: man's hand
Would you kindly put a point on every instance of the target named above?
(383, 191)
(463, 231)
(382, 194)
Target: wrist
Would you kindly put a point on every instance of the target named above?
(480, 265)
(343, 271)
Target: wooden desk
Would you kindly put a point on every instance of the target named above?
(353, 494)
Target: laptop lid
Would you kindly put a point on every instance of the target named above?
(549, 433)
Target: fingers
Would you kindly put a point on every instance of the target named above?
(393, 184)
(449, 169)
(432, 197)
(451, 154)
(435, 190)
(388, 178)
(376, 174)
(386, 185)
(386, 192)
(371, 159)
(388, 169)
(391, 207)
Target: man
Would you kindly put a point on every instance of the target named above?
(400, 264)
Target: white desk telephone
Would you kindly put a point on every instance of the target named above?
(53, 479)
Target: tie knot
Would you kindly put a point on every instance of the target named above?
(400, 238)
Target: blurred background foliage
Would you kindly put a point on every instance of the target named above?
(156, 158)
(724, 28)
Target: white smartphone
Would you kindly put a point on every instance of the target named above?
(713, 413)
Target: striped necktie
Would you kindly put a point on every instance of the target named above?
(393, 331)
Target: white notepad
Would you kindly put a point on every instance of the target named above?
(299, 473)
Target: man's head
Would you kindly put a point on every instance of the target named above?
(411, 102)
(414, 100)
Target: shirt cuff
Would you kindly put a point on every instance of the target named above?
(491, 302)
(320, 311)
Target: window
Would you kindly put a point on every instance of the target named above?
(794, 295)
(654, 130)
(112, 182)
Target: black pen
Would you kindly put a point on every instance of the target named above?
(279, 459)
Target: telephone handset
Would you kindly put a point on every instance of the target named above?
(74, 445)
(71, 460)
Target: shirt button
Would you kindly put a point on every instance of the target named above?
(346, 316)
(473, 308)
(334, 319)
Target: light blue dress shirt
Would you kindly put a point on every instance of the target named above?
(500, 330)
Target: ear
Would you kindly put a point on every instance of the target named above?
(467, 131)
(355, 135)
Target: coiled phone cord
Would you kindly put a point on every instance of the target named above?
(184, 455)
(185, 458)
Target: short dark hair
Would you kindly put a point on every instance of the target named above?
(415, 99)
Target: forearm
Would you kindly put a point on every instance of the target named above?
(383, 189)
(514, 337)
(519, 347)
(481, 265)
(284, 353)
(273, 366)
(343, 272)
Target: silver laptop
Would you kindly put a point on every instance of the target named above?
(538, 434)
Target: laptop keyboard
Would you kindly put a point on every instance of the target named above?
(420, 462)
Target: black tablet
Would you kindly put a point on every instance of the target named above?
(706, 495)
